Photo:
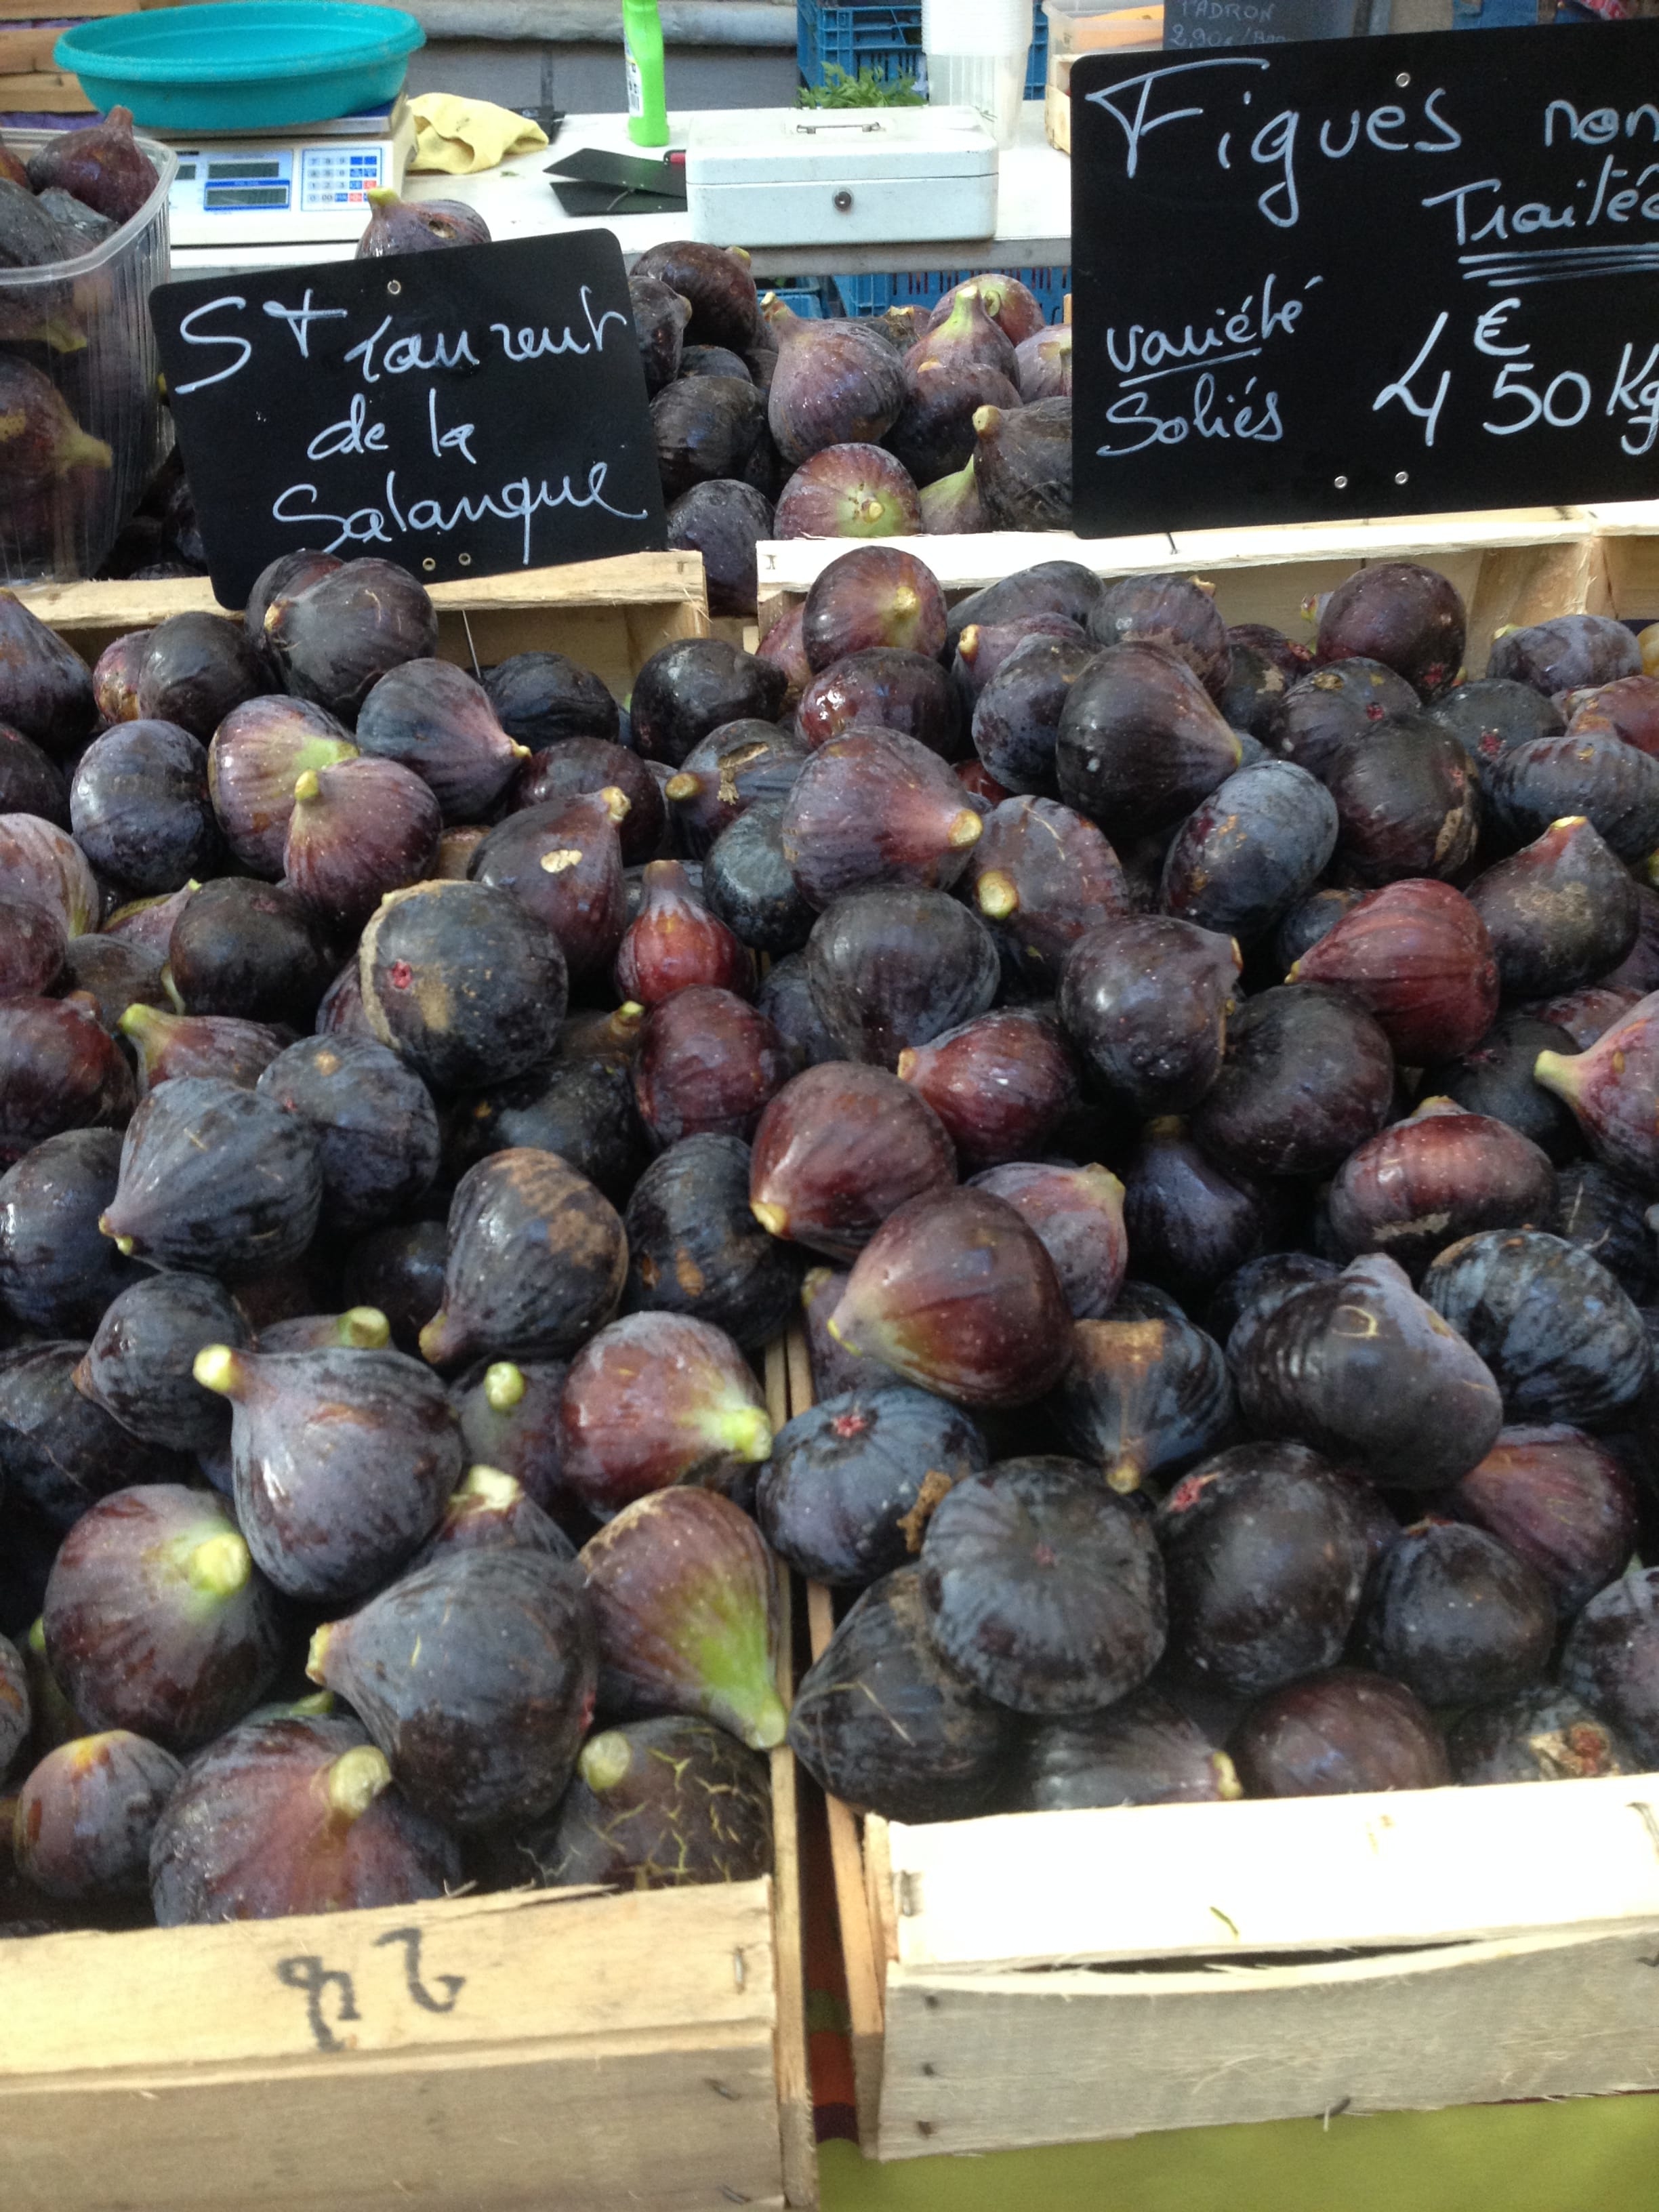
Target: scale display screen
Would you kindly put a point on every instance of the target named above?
(331, 176)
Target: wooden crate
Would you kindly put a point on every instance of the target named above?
(610, 616)
(30, 81)
(1061, 1978)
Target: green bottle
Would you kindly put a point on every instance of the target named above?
(647, 105)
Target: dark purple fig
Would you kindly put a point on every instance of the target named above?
(59, 1452)
(215, 1180)
(708, 1066)
(1252, 849)
(1017, 711)
(1042, 877)
(294, 1813)
(875, 807)
(1145, 1393)
(887, 687)
(1146, 1001)
(1043, 1588)
(463, 982)
(493, 1511)
(1330, 1734)
(399, 226)
(1011, 305)
(1612, 1660)
(156, 1620)
(1259, 1285)
(983, 648)
(685, 1602)
(1418, 1186)
(782, 649)
(1175, 612)
(260, 751)
(715, 283)
(1637, 971)
(358, 830)
(836, 383)
(848, 491)
(580, 1104)
(696, 685)
(726, 772)
(167, 1046)
(111, 976)
(892, 967)
(884, 1721)
(964, 334)
(934, 435)
(750, 886)
(250, 949)
(1585, 1014)
(334, 641)
(1043, 364)
(1417, 956)
(1457, 1616)
(87, 1813)
(44, 446)
(509, 1416)
(674, 942)
(654, 1399)
(1189, 1223)
(786, 996)
(540, 699)
(140, 807)
(563, 863)
(1409, 617)
(32, 943)
(957, 1295)
(1542, 1735)
(695, 1249)
(1495, 1079)
(29, 782)
(1023, 465)
(1570, 653)
(1365, 1371)
(101, 165)
(841, 1148)
(1049, 587)
(139, 1364)
(360, 1328)
(1610, 1089)
(43, 866)
(1077, 1215)
(1558, 1500)
(375, 1127)
(1325, 715)
(1140, 741)
(660, 315)
(725, 522)
(433, 718)
(704, 428)
(1002, 1084)
(951, 505)
(1601, 1214)
(657, 1804)
(1258, 679)
(1561, 1339)
(877, 595)
(57, 1272)
(577, 767)
(399, 1270)
(1141, 1750)
(195, 669)
(340, 1009)
(1627, 708)
(1490, 715)
(1307, 1075)
(537, 1260)
(835, 1369)
(284, 578)
(1407, 802)
(1587, 774)
(60, 1070)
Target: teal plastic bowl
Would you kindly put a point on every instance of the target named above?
(242, 65)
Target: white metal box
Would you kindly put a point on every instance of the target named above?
(840, 177)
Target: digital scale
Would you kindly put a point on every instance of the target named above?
(307, 184)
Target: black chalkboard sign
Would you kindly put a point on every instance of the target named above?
(1189, 23)
(1382, 277)
(462, 412)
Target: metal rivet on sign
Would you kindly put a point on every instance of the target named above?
(429, 564)
(1400, 476)
(1403, 79)
(466, 560)
(394, 288)
(1342, 482)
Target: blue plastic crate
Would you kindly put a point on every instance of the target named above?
(887, 39)
(1037, 65)
(804, 295)
(873, 295)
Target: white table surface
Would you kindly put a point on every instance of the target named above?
(1034, 214)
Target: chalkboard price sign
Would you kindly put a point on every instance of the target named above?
(462, 412)
(1189, 23)
(1386, 277)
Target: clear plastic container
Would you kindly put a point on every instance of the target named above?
(977, 58)
(78, 372)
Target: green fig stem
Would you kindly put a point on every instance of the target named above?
(82, 450)
(317, 1655)
(907, 1064)
(357, 1780)
(772, 1218)
(1123, 1476)
(172, 990)
(1227, 1784)
(220, 1565)
(615, 803)
(434, 1341)
(317, 1707)
(1555, 1070)
(218, 1367)
(363, 1329)
(306, 788)
(383, 197)
(138, 1018)
(36, 1638)
(681, 787)
(965, 830)
(745, 1430)
(504, 1386)
(997, 894)
(605, 1759)
(769, 1725)
(491, 1485)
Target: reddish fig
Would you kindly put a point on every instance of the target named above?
(783, 648)
(358, 830)
(891, 967)
(1077, 1215)
(1329, 1735)
(167, 1046)
(655, 1399)
(1012, 307)
(1417, 956)
(1559, 1501)
(1420, 1186)
(87, 1814)
(563, 864)
(884, 687)
(32, 943)
(536, 1261)
(258, 752)
(674, 942)
(44, 867)
(951, 508)
(1042, 364)
(1610, 1089)
(60, 1070)
(1042, 877)
(875, 596)
(1585, 1014)
(875, 807)
(840, 1149)
(491, 1511)
(1144, 1392)
(836, 383)
(44, 444)
(575, 766)
(1409, 617)
(708, 1065)
(399, 226)
(1627, 710)
(1140, 742)
(715, 282)
(509, 1416)
(102, 166)
(1146, 1001)
(1001, 1085)
(849, 492)
(360, 1328)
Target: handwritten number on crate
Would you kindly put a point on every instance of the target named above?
(331, 1990)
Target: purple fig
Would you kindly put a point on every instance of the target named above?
(214, 1179)
(889, 967)
(58, 1273)
(1250, 852)
(1569, 652)
(1611, 1660)
(1558, 1500)
(836, 383)
(709, 1065)
(44, 867)
(46, 687)
(1558, 913)
(884, 687)
(1585, 1014)
(42, 445)
(101, 165)
(1176, 613)
(715, 282)
(950, 507)
(934, 435)
(250, 949)
(1590, 774)
(1189, 1223)
(29, 782)
(167, 1046)
(1409, 617)
(359, 829)
(1001, 1085)
(964, 334)
(1140, 741)
(258, 752)
(875, 807)
(1307, 1076)
(674, 942)
(725, 523)
(433, 718)
(508, 1411)
(1542, 1735)
(87, 1814)
(1456, 1617)
(399, 226)
(139, 1364)
(1332, 1734)
(400, 1271)
(1146, 1001)
(877, 595)
(1416, 1188)
(1417, 956)
(32, 943)
(463, 982)
(197, 668)
(359, 1329)
(726, 773)
(575, 767)
(1627, 708)
(1012, 307)
(493, 1511)
(1077, 1215)
(111, 976)
(837, 1150)
(140, 807)
(695, 1247)
(375, 1126)
(58, 1071)
(335, 640)
(705, 430)
(654, 1399)
(1144, 1392)
(1610, 1088)
(696, 685)
(281, 579)
(1023, 465)
(783, 648)
(1017, 709)
(1042, 364)
(1041, 876)
(60, 1453)
(1141, 1750)
(849, 492)
(1407, 802)
(543, 698)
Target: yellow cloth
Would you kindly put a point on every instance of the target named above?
(459, 136)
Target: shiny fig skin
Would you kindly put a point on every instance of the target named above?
(1420, 1185)
(884, 687)
(1189, 1223)
(1417, 956)
(156, 1620)
(1145, 1393)
(398, 225)
(875, 595)
(537, 1260)
(1041, 877)
(1362, 1369)
(1457, 1616)
(1610, 1089)
(836, 383)
(1017, 710)
(725, 774)
(1488, 716)
(839, 1149)
(1570, 653)
(487, 1729)
(850, 490)
(541, 699)
(1146, 1001)
(508, 1411)
(375, 1126)
(46, 687)
(563, 864)
(749, 885)
(964, 333)
(335, 640)
(695, 686)
(891, 967)
(111, 974)
(1023, 465)
(215, 1180)
(1601, 1214)
(284, 577)
(1011, 305)
(1043, 1588)
(1409, 617)
(399, 1270)
(1561, 1338)
(883, 1721)
(293, 1815)
(685, 1604)
(654, 1399)
(674, 942)
(195, 669)
(1331, 1734)
(29, 782)
(250, 949)
(695, 1247)
(715, 282)
(725, 523)
(1339, 705)
(704, 429)
(167, 1046)
(1558, 1500)
(358, 830)
(579, 1104)
(1639, 970)
(493, 1511)
(1408, 803)
(933, 436)
(1542, 1735)
(59, 1452)
(58, 1273)
(1251, 851)
(1307, 1075)
(1590, 774)
(1140, 741)
(1586, 1015)
(462, 982)
(1077, 1215)
(138, 1365)
(875, 807)
(59, 1070)
(1143, 1750)
(139, 806)
(1627, 708)
(956, 1294)
(1561, 913)
(852, 1481)
(709, 1065)
(1611, 1660)
(1002, 1084)
(359, 1329)
(1243, 1302)
(786, 999)
(43, 866)
(259, 753)
(1495, 1078)
(1055, 587)
(579, 765)
(87, 1814)
(1174, 612)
